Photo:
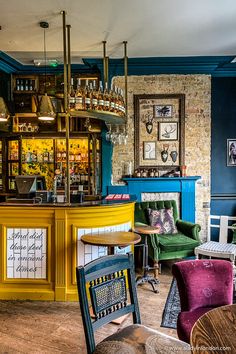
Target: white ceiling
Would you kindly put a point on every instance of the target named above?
(153, 28)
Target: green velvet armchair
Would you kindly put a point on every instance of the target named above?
(168, 246)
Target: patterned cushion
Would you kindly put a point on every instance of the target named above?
(163, 220)
(139, 339)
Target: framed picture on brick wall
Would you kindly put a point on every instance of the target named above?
(168, 130)
(159, 122)
(163, 111)
(149, 150)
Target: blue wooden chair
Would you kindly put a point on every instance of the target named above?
(104, 281)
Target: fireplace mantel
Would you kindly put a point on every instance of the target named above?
(183, 185)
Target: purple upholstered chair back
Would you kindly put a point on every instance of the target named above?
(204, 283)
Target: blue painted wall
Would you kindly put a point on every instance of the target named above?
(223, 127)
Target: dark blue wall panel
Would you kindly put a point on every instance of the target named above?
(223, 127)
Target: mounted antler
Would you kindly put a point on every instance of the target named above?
(149, 123)
(169, 130)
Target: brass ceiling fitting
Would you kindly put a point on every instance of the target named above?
(46, 111)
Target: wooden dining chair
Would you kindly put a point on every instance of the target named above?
(109, 283)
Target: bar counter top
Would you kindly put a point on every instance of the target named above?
(91, 203)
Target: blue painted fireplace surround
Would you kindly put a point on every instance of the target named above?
(183, 185)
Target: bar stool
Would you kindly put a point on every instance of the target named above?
(146, 230)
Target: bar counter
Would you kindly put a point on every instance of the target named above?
(41, 247)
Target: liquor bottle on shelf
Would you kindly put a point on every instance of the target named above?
(31, 87)
(152, 173)
(51, 155)
(40, 157)
(45, 155)
(100, 97)
(59, 156)
(79, 98)
(91, 95)
(106, 98)
(87, 99)
(116, 100)
(94, 96)
(34, 156)
(28, 157)
(63, 155)
(120, 103)
(26, 85)
(17, 84)
(72, 96)
(112, 100)
(71, 157)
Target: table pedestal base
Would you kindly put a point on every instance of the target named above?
(148, 279)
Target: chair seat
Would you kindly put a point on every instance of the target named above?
(186, 320)
(176, 242)
(140, 339)
(217, 249)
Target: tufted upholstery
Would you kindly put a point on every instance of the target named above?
(164, 247)
(203, 285)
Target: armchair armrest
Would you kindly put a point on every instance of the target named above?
(140, 224)
(189, 229)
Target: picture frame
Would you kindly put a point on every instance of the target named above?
(231, 152)
(149, 150)
(163, 111)
(168, 131)
(146, 129)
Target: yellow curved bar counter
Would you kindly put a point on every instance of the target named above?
(41, 247)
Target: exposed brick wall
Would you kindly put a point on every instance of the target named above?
(197, 90)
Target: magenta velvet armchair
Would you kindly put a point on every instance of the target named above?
(203, 285)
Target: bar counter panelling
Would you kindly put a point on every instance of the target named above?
(41, 247)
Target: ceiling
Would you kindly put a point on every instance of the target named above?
(153, 28)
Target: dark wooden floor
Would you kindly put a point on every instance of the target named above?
(56, 327)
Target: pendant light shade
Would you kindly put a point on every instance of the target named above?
(4, 113)
(46, 110)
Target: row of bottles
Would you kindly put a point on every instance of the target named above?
(89, 98)
(41, 156)
(47, 157)
(78, 177)
(25, 85)
(77, 152)
(13, 151)
(146, 173)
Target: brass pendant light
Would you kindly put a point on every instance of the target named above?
(4, 113)
(46, 110)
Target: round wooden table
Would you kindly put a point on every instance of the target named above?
(215, 331)
(111, 239)
(146, 278)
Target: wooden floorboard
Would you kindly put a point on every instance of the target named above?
(56, 327)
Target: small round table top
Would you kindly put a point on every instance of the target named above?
(117, 238)
(217, 329)
(145, 229)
